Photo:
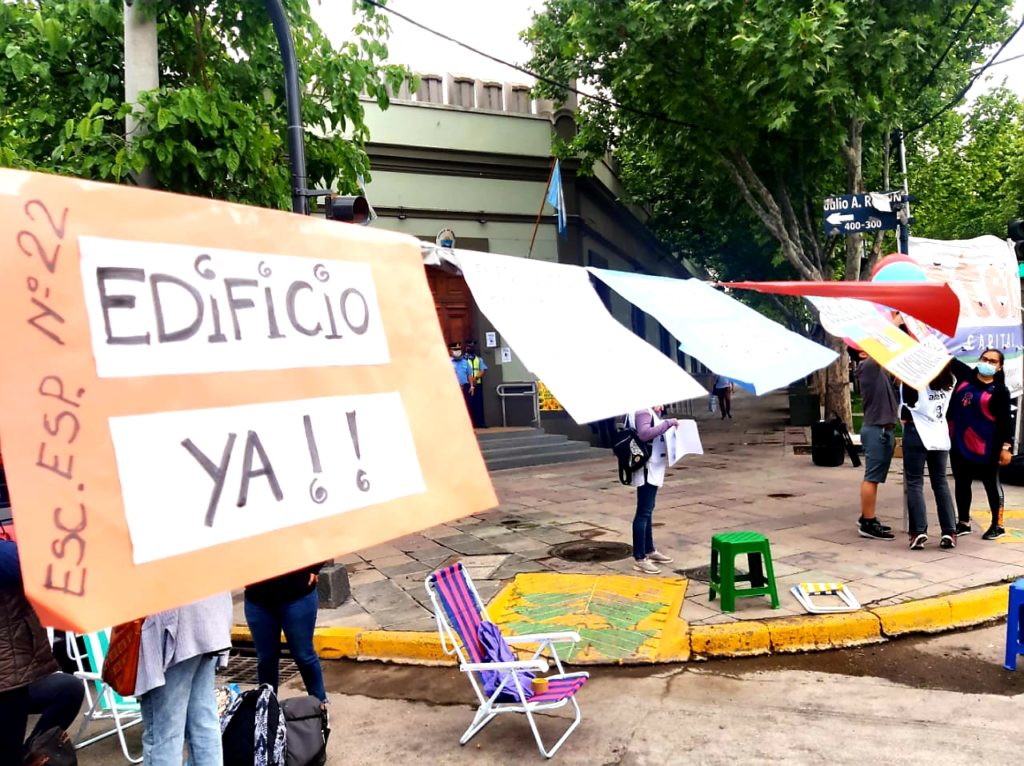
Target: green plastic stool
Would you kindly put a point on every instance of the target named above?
(729, 545)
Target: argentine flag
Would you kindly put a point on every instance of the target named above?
(556, 198)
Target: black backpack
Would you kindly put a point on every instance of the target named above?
(632, 452)
(308, 731)
(253, 729)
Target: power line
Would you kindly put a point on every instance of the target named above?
(997, 63)
(956, 35)
(540, 77)
(963, 92)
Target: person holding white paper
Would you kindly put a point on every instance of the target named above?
(649, 428)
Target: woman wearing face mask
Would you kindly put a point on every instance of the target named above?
(650, 428)
(982, 437)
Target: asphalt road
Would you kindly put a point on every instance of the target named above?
(941, 700)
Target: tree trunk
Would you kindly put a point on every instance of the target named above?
(837, 385)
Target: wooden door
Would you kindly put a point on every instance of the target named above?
(454, 304)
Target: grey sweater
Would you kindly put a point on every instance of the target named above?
(179, 634)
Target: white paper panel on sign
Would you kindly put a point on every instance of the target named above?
(555, 322)
(202, 477)
(729, 337)
(162, 309)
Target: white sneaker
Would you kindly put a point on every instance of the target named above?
(660, 558)
(645, 565)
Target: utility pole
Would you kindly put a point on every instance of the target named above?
(296, 143)
(904, 211)
(141, 70)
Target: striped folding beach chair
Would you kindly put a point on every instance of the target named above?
(459, 613)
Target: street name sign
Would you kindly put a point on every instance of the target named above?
(860, 213)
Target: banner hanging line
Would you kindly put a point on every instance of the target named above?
(202, 395)
(727, 336)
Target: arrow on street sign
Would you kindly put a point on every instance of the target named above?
(839, 218)
(861, 213)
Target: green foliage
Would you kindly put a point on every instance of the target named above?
(216, 125)
(774, 103)
(967, 170)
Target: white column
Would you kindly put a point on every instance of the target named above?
(141, 68)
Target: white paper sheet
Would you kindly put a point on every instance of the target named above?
(683, 440)
(555, 322)
(729, 337)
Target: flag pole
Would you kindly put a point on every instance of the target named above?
(540, 212)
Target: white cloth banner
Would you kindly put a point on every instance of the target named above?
(683, 440)
(729, 337)
(983, 273)
(555, 322)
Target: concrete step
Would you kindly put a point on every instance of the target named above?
(537, 448)
(500, 434)
(529, 440)
(567, 455)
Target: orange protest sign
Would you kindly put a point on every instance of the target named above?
(200, 395)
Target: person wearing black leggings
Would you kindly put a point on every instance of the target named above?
(982, 437)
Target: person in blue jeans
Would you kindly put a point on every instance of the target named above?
(287, 603)
(178, 656)
(649, 428)
(926, 442)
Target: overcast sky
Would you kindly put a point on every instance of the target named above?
(494, 27)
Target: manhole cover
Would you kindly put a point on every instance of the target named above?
(701, 574)
(591, 551)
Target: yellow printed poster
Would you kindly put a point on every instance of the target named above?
(548, 403)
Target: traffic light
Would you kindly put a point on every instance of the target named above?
(347, 209)
(1015, 231)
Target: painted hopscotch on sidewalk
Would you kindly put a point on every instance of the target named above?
(618, 617)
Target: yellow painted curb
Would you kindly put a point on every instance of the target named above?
(926, 615)
(409, 647)
(674, 645)
(816, 632)
(976, 606)
(730, 639)
(336, 643)
(680, 641)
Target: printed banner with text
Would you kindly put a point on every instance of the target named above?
(914, 363)
(983, 273)
(200, 395)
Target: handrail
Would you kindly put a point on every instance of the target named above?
(515, 390)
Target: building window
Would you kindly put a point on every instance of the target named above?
(665, 342)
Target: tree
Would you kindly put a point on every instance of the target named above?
(967, 169)
(216, 125)
(781, 100)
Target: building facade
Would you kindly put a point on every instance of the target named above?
(475, 157)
